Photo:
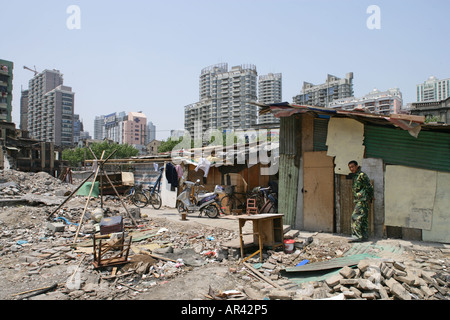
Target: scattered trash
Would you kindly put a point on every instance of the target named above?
(289, 245)
(162, 230)
(301, 263)
(21, 242)
(65, 220)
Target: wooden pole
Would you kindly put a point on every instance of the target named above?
(87, 202)
(121, 201)
(256, 272)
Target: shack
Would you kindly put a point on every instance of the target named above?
(406, 159)
(244, 166)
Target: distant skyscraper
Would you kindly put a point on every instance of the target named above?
(24, 110)
(269, 91)
(225, 98)
(135, 130)
(151, 132)
(99, 128)
(77, 128)
(113, 126)
(6, 89)
(51, 108)
(433, 89)
(323, 95)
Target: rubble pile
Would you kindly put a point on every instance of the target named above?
(16, 183)
(370, 279)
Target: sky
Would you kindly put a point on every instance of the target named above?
(141, 55)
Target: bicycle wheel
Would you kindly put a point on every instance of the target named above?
(211, 211)
(155, 200)
(228, 204)
(127, 195)
(139, 199)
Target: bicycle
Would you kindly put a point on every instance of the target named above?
(231, 202)
(153, 192)
(153, 198)
(136, 196)
(270, 204)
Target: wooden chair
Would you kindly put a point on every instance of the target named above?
(106, 254)
(251, 207)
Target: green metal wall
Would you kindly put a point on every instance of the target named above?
(288, 189)
(431, 150)
(320, 134)
(290, 150)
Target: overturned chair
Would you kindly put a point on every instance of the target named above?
(113, 251)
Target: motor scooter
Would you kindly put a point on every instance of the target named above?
(190, 200)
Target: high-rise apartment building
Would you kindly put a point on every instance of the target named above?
(50, 108)
(99, 127)
(151, 132)
(386, 102)
(24, 110)
(77, 128)
(269, 91)
(324, 94)
(225, 97)
(433, 89)
(122, 128)
(113, 127)
(135, 130)
(6, 89)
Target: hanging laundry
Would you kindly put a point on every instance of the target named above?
(179, 170)
(203, 164)
(171, 174)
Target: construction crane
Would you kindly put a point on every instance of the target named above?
(35, 72)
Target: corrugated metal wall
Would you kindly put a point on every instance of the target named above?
(290, 150)
(320, 134)
(288, 189)
(431, 150)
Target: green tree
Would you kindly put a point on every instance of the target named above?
(431, 118)
(167, 146)
(77, 155)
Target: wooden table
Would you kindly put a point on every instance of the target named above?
(267, 231)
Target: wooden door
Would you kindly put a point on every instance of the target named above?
(318, 191)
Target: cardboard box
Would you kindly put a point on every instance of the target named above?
(235, 179)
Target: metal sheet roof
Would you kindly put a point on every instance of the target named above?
(412, 123)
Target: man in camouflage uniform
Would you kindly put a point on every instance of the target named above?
(363, 195)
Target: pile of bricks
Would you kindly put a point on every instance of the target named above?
(388, 279)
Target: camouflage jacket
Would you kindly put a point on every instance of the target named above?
(362, 188)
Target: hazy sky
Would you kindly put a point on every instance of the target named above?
(140, 55)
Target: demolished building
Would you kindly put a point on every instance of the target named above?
(20, 152)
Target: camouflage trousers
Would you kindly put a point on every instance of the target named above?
(360, 220)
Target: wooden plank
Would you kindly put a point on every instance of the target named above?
(408, 117)
(256, 272)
